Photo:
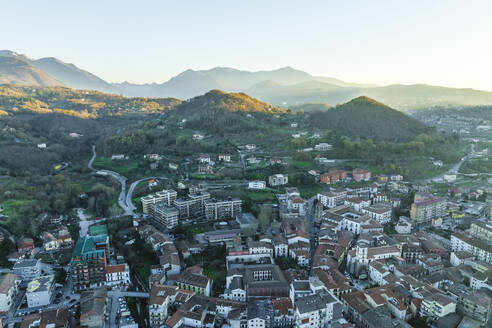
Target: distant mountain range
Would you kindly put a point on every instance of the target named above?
(285, 86)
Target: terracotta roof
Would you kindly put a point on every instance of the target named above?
(116, 268)
(282, 305)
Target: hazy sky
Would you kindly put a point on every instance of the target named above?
(445, 42)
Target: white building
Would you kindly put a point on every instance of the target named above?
(278, 180)
(317, 310)
(117, 275)
(8, 289)
(323, 147)
(27, 269)
(403, 227)
(42, 146)
(40, 291)
(258, 185)
(478, 248)
(379, 212)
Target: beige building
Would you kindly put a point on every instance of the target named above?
(8, 289)
(427, 207)
(166, 197)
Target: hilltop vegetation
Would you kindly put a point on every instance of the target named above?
(83, 104)
(364, 117)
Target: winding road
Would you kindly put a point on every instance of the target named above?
(125, 199)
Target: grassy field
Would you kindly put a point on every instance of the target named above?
(302, 165)
(10, 206)
(265, 195)
(309, 191)
(123, 166)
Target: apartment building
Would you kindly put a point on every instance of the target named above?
(164, 215)
(166, 197)
(192, 206)
(8, 288)
(427, 207)
(222, 209)
(88, 265)
(333, 176)
(480, 250)
(379, 212)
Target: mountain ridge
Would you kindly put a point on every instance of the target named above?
(285, 86)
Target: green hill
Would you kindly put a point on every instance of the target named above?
(366, 118)
(216, 100)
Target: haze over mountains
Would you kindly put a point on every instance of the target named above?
(285, 86)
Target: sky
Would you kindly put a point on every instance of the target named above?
(440, 42)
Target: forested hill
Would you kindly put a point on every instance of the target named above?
(366, 118)
(216, 100)
(80, 103)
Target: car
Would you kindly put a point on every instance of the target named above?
(67, 297)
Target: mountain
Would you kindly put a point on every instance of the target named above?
(72, 76)
(366, 118)
(282, 87)
(16, 69)
(218, 101)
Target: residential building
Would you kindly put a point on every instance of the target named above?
(361, 175)
(117, 275)
(259, 185)
(323, 147)
(25, 245)
(224, 157)
(403, 226)
(427, 207)
(195, 282)
(379, 212)
(260, 314)
(283, 313)
(437, 305)
(317, 310)
(333, 176)
(193, 205)
(164, 216)
(332, 198)
(8, 288)
(40, 291)
(278, 180)
(50, 243)
(88, 262)
(27, 269)
(222, 209)
(481, 250)
(56, 318)
(166, 197)
(161, 298)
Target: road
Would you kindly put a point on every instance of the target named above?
(114, 296)
(312, 228)
(122, 200)
(456, 167)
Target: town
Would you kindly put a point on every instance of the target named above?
(367, 250)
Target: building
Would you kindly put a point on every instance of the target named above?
(481, 250)
(222, 209)
(88, 264)
(40, 291)
(165, 216)
(27, 269)
(50, 243)
(93, 308)
(437, 305)
(278, 180)
(264, 280)
(57, 318)
(427, 207)
(481, 230)
(161, 298)
(195, 282)
(379, 212)
(166, 197)
(8, 288)
(25, 245)
(283, 315)
(117, 275)
(193, 206)
(224, 157)
(259, 185)
(323, 147)
(361, 175)
(260, 314)
(333, 176)
(332, 198)
(403, 227)
(317, 310)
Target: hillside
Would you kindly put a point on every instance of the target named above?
(216, 100)
(310, 107)
(366, 118)
(16, 70)
(83, 104)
